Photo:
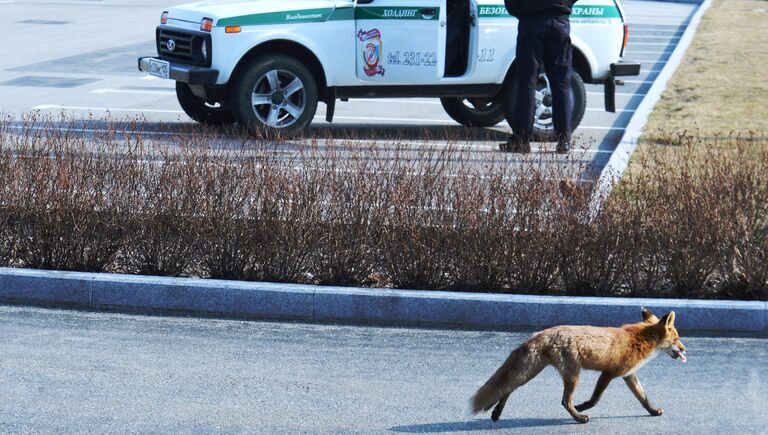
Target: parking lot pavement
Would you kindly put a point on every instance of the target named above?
(75, 372)
(79, 58)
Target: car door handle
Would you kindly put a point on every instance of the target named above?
(428, 12)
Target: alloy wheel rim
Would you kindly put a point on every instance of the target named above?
(279, 98)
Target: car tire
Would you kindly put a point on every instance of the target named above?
(543, 130)
(200, 111)
(474, 112)
(275, 95)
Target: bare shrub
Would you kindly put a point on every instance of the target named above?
(692, 218)
(591, 260)
(164, 217)
(350, 230)
(226, 233)
(416, 232)
(103, 195)
(61, 211)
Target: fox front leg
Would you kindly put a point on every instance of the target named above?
(570, 380)
(634, 384)
(602, 384)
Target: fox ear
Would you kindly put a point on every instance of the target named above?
(648, 315)
(668, 320)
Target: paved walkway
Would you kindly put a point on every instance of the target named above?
(67, 371)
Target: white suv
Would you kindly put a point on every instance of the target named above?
(266, 63)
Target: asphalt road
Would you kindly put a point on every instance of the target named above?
(67, 371)
(79, 57)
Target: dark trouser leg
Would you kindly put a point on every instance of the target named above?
(527, 61)
(557, 58)
(562, 101)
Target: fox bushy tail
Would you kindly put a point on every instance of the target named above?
(522, 365)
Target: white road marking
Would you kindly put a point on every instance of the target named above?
(100, 109)
(631, 52)
(620, 94)
(319, 117)
(600, 109)
(148, 77)
(130, 91)
(371, 118)
(633, 38)
(640, 82)
(169, 133)
(364, 100)
(439, 121)
(94, 130)
(662, 44)
(393, 100)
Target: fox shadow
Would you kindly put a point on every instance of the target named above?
(486, 424)
(481, 424)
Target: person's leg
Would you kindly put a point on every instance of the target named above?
(527, 62)
(557, 59)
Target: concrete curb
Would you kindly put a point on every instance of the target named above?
(308, 303)
(620, 157)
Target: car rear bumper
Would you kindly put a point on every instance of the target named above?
(194, 75)
(619, 69)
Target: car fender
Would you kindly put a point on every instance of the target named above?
(587, 53)
(229, 58)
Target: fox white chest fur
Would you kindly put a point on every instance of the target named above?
(639, 365)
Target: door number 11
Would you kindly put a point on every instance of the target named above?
(486, 55)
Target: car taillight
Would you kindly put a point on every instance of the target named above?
(206, 25)
(626, 38)
(164, 18)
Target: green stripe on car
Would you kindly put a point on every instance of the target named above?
(342, 14)
(329, 14)
(499, 11)
(388, 13)
(284, 17)
(394, 13)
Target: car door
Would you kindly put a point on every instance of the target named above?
(400, 42)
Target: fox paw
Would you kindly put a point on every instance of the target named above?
(583, 407)
(581, 418)
(656, 411)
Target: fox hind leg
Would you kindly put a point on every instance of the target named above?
(602, 384)
(496, 414)
(520, 367)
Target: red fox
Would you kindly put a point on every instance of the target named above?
(616, 352)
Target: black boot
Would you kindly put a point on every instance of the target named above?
(563, 146)
(515, 144)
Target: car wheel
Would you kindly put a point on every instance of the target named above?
(275, 95)
(201, 111)
(474, 112)
(543, 128)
